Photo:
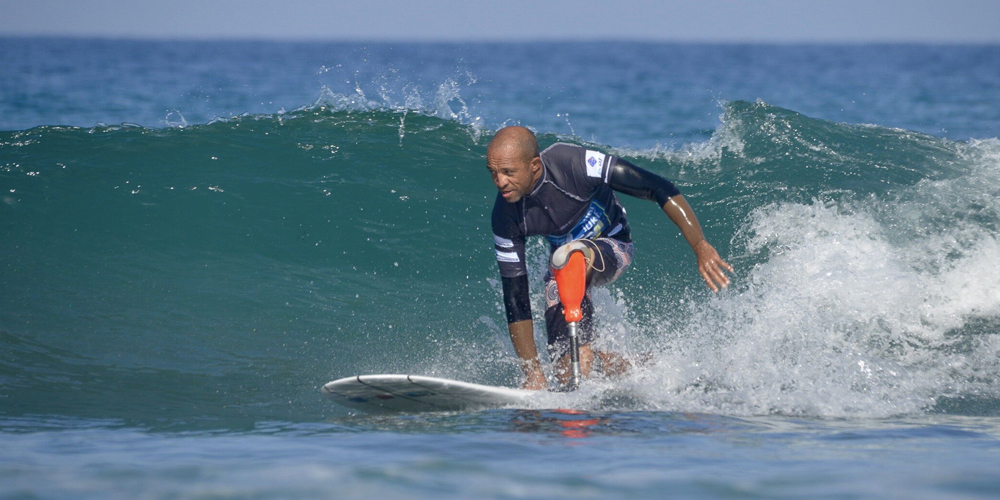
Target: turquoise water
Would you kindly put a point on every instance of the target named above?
(196, 236)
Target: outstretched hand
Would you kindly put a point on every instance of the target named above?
(710, 266)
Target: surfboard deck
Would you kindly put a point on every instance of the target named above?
(415, 393)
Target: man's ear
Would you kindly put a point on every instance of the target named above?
(536, 164)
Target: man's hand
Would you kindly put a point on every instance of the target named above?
(710, 266)
(522, 334)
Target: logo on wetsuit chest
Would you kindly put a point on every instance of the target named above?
(591, 225)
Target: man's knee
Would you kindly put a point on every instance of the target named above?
(563, 365)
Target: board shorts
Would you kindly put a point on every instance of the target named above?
(610, 261)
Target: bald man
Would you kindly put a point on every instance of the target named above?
(567, 194)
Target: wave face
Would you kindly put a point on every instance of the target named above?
(221, 272)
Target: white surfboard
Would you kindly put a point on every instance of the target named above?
(414, 393)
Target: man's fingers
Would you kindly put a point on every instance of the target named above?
(711, 266)
(720, 275)
(726, 265)
(711, 273)
(708, 280)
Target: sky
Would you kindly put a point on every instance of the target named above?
(766, 21)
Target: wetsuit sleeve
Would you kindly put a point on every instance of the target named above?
(516, 300)
(508, 240)
(508, 244)
(627, 178)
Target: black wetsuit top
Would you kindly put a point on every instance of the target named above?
(574, 199)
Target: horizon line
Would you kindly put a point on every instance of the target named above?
(499, 40)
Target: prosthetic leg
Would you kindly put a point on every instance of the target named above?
(570, 271)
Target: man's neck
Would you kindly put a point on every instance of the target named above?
(536, 181)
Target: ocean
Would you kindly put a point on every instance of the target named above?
(195, 236)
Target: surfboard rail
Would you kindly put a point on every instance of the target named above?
(396, 393)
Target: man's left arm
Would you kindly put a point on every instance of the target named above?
(632, 180)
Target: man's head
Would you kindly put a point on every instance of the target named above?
(513, 161)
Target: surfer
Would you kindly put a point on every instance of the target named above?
(567, 194)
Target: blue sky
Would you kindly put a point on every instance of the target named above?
(853, 21)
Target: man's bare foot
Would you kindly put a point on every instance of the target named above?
(614, 364)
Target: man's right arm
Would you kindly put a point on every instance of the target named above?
(509, 246)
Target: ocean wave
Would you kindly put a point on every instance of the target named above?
(238, 264)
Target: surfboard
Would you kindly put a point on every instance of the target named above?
(414, 393)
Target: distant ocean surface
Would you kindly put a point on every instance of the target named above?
(195, 236)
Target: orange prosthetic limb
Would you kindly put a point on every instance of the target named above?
(570, 271)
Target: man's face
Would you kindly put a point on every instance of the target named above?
(513, 176)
